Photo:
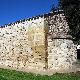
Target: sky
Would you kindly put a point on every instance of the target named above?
(13, 10)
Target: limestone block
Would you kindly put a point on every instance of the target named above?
(8, 63)
(15, 64)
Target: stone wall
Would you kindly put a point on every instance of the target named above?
(22, 45)
(38, 44)
(61, 55)
(61, 49)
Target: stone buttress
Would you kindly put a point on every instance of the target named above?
(61, 49)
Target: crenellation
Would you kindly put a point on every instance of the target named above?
(36, 44)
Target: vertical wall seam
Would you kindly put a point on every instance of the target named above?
(46, 45)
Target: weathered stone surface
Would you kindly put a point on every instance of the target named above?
(38, 45)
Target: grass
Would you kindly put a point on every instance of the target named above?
(6, 74)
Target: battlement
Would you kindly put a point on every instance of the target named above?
(39, 44)
(34, 18)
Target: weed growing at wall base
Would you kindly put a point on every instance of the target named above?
(6, 74)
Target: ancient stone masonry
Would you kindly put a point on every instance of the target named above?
(22, 45)
(61, 49)
(40, 43)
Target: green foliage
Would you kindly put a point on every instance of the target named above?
(53, 8)
(6, 74)
(72, 12)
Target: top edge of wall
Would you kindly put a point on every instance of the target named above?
(34, 18)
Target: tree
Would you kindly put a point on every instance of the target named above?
(72, 12)
(53, 8)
